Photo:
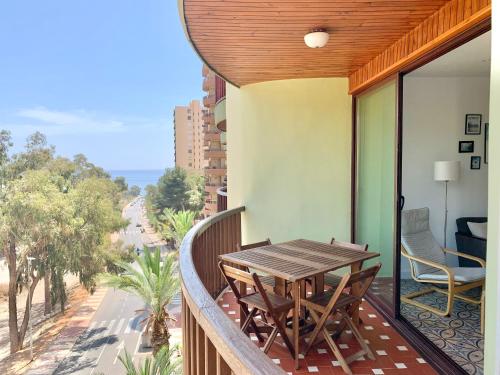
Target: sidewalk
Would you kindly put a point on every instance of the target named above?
(74, 326)
(38, 316)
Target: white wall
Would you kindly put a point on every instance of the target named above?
(434, 110)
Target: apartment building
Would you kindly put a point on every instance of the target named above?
(188, 135)
(214, 139)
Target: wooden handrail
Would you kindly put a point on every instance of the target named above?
(212, 342)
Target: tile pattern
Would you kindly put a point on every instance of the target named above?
(394, 355)
(458, 335)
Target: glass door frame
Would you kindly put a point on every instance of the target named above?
(435, 356)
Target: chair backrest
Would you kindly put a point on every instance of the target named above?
(417, 240)
(359, 282)
(363, 279)
(254, 245)
(349, 245)
(232, 274)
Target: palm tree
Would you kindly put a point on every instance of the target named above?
(156, 283)
(177, 224)
(165, 362)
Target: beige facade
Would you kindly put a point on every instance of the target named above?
(188, 133)
(214, 146)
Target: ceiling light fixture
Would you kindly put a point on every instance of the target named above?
(317, 38)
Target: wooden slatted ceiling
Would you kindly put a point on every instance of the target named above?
(450, 20)
(249, 41)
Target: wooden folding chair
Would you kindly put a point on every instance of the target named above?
(333, 280)
(338, 303)
(263, 301)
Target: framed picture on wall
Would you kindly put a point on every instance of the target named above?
(486, 135)
(465, 147)
(475, 162)
(473, 124)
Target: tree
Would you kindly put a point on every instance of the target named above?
(85, 169)
(61, 213)
(121, 183)
(177, 224)
(156, 283)
(34, 216)
(196, 192)
(165, 362)
(37, 155)
(134, 191)
(173, 190)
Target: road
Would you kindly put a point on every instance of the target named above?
(115, 326)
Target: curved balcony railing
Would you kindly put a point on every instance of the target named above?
(220, 89)
(213, 343)
(222, 199)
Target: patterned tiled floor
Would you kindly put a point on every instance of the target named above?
(393, 354)
(458, 335)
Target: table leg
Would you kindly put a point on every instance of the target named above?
(355, 267)
(319, 284)
(296, 312)
(280, 286)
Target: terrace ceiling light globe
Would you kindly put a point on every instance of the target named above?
(317, 38)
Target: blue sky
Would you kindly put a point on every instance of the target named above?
(99, 77)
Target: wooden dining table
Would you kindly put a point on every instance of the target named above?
(294, 262)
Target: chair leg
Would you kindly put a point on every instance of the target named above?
(315, 332)
(270, 340)
(249, 321)
(336, 352)
(282, 331)
(364, 346)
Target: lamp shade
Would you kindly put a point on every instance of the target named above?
(446, 170)
(317, 38)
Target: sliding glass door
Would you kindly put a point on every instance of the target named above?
(375, 218)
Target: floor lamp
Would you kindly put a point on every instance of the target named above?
(446, 171)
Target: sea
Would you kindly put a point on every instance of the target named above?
(141, 178)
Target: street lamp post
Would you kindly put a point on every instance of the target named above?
(30, 259)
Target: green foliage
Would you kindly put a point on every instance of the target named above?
(165, 362)
(175, 225)
(196, 192)
(173, 190)
(156, 283)
(116, 252)
(121, 183)
(174, 203)
(134, 191)
(59, 211)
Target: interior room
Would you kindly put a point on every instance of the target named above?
(445, 198)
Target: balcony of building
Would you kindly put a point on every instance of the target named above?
(205, 70)
(214, 344)
(215, 171)
(222, 199)
(215, 154)
(211, 188)
(209, 84)
(209, 101)
(208, 118)
(211, 135)
(331, 164)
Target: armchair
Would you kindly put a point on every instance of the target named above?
(467, 243)
(428, 265)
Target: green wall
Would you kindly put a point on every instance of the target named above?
(492, 328)
(376, 158)
(288, 158)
